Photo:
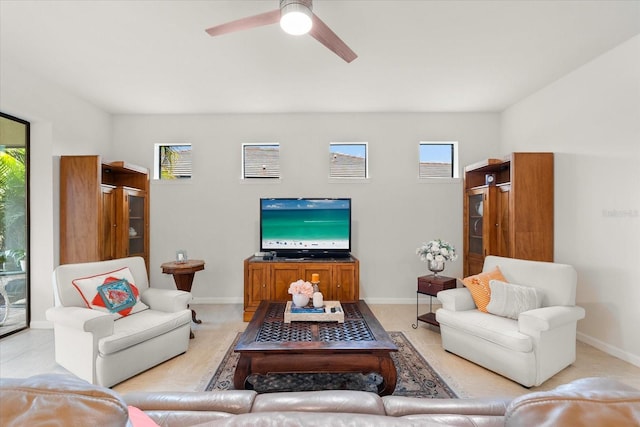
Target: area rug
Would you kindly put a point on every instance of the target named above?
(416, 378)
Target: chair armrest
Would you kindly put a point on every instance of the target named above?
(167, 300)
(83, 319)
(547, 318)
(458, 299)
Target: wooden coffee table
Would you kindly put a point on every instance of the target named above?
(360, 344)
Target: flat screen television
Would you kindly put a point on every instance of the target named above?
(306, 227)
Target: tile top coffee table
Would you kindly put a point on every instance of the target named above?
(360, 344)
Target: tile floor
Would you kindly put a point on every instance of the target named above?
(32, 352)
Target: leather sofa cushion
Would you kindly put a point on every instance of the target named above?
(170, 418)
(585, 402)
(55, 399)
(455, 420)
(496, 329)
(136, 328)
(316, 419)
(478, 412)
(230, 401)
(399, 406)
(359, 402)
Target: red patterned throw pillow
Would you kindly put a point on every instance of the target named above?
(112, 292)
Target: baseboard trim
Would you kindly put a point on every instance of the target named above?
(609, 349)
(424, 299)
(41, 324)
(210, 300)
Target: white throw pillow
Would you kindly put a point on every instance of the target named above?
(509, 300)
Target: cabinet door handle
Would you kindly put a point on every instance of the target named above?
(264, 286)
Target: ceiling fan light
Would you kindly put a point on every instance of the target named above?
(295, 19)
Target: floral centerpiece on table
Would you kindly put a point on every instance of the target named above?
(435, 253)
(301, 287)
(301, 292)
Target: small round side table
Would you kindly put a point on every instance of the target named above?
(183, 273)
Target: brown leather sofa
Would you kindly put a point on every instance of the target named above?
(67, 400)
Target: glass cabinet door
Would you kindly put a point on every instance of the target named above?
(136, 224)
(475, 221)
(477, 237)
(108, 223)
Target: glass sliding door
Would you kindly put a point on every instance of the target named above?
(14, 224)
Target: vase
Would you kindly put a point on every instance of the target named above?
(435, 266)
(318, 299)
(300, 300)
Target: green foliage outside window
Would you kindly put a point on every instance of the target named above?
(13, 206)
(168, 159)
(174, 161)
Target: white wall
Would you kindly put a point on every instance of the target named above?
(215, 217)
(591, 118)
(60, 124)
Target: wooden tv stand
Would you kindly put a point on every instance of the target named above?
(270, 279)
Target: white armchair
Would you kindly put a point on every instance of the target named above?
(530, 349)
(103, 349)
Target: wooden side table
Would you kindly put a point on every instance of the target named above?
(431, 285)
(183, 273)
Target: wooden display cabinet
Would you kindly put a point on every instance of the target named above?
(104, 210)
(512, 214)
(270, 279)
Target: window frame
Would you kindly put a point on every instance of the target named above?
(366, 160)
(243, 170)
(157, 167)
(455, 167)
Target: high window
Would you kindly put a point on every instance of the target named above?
(261, 160)
(172, 161)
(438, 160)
(348, 160)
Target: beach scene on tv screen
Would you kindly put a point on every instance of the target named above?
(305, 224)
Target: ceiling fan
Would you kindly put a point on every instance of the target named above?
(295, 17)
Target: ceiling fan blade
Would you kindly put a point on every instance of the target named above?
(321, 32)
(249, 22)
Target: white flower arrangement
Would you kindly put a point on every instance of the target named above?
(437, 250)
(301, 287)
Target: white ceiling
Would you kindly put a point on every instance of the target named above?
(414, 56)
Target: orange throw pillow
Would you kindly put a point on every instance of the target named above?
(478, 285)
